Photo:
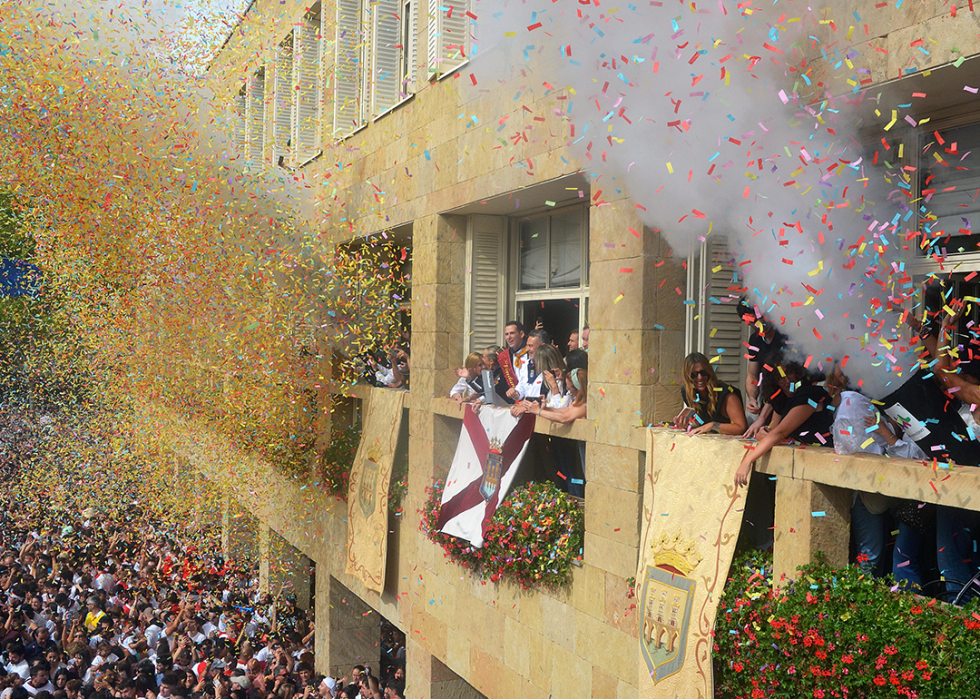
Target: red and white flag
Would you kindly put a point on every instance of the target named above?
(491, 446)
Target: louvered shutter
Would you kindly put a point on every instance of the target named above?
(485, 284)
(240, 122)
(256, 118)
(306, 116)
(386, 40)
(411, 47)
(348, 68)
(721, 313)
(448, 35)
(282, 126)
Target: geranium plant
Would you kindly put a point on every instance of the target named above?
(839, 633)
(533, 537)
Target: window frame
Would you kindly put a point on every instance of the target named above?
(580, 293)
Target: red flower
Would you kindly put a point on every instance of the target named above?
(916, 609)
(848, 659)
(891, 650)
(879, 680)
(921, 665)
(818, 693)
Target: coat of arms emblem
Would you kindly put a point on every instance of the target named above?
(367, 493)
(667, 597)
(493, 465)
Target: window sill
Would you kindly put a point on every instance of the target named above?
(315, 156)
(438, 76)
(393, 107)
(344, 137)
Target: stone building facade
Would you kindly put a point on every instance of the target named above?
(382, 120)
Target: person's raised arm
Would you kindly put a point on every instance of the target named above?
(786, 426)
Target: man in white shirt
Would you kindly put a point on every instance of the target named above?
(39, 679)
(529, 384)
(17, 665)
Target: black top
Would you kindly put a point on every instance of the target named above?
(719, 416)
(820, 422)
(765, 351)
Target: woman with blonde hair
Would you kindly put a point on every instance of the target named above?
(709, 404)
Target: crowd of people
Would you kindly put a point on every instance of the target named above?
(118, 602)
(787, 401)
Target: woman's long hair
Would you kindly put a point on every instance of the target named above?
(581, 378)
(704, 405)
(547, 358)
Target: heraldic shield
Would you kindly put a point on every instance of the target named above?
(665, 609)
(493, 466)
(367, 493)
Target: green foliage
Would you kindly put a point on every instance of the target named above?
(533, 538)
(838, 633)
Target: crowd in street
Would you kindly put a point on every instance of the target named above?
(116, 602)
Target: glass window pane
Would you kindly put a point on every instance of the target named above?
(566, 249)
(534, 254)
(948, 188)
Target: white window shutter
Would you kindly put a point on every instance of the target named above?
(721, 313)
(306, 106)
(348, 68)
(411, 48)
(255, 109)
(282, 126)
(386, 40)
(486, 293)
(448, 35)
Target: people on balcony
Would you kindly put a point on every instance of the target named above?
(469, 387)
(513, 361)
(801, 411)
(709, 404)
(763, 348)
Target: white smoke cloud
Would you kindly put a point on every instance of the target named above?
(695, 109)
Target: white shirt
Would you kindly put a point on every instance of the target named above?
(20, 668)
(47, 687)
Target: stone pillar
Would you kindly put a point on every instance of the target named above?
(438, 283)
(348, 631)
(810, 517)
(628, 388)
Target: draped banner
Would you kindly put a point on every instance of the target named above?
(367, 492)
(491, 446)
(692, 515)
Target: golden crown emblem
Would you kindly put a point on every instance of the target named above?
(496, 444)
(675, 552)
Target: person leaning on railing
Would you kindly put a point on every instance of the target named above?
(709, 404)
(800, 411)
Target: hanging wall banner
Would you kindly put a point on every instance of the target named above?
(367, 492)
(692, 514)
(488, 455)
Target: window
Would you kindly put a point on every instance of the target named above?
(282, 124)
(386, 37)
(348, 99)
(307, 73)
(255, 117)
(547, 274)
(449, 36)
(713, 326)
(552, 265)
(410, 45)
(949, 211)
